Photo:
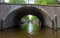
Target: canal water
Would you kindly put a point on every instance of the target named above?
(16, 33)
(30, 27)
(29, 30)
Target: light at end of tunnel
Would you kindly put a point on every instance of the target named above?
(6, 1)
(30, 17)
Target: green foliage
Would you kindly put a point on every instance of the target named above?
(41, 2)
(34, 17)
(44, 2)
(17, 1)
(25, 27)
(26, 17)
(51, 1)
(35, 27)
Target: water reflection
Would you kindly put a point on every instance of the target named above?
(30, 28)
(30, 24)
(14, 33)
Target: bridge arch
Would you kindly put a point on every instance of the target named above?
(16, 15)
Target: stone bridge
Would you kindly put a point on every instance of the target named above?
(10, 14)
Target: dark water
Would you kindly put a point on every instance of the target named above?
(30, 31)
(17, 33)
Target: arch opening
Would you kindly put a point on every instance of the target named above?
(30, 23)
(28, 11)
(15, 16)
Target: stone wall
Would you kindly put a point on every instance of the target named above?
(6, 9)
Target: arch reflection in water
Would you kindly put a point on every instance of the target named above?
(31, 24)
(30, 28)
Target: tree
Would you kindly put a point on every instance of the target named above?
(17, 1)
(40, 2)
(26, 17)
(44, 2)
(51, 2)
(34, 17)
